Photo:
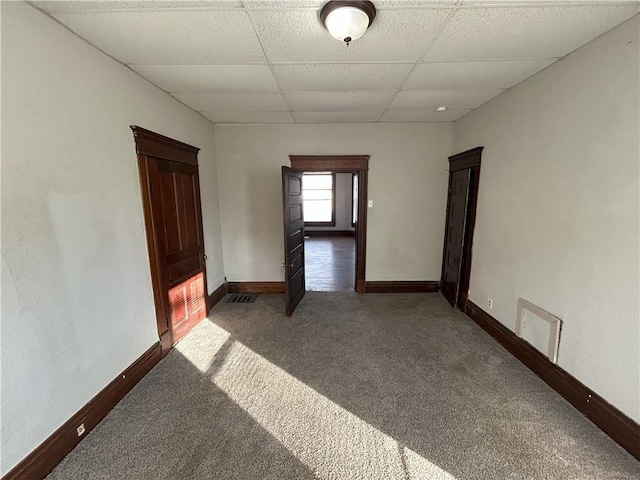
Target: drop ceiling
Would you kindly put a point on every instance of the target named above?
(271, 61)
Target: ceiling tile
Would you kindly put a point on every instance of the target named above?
(249, 117)
(64, 6)
(210, 78)
(395, 35)
(336, 117)
(339, 101)
(523, 32)
(319, 3)
(234, 102)
(473, 75)
(430, 100)
(180, 36)
(341, 77)
(519, 3)
(412, 3)
(422, 115)
(283, 3)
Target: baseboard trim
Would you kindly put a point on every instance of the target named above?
(330, 233)
(608, 418)
(41, 461)
(255, 287)
(402, 287)
(216, 296)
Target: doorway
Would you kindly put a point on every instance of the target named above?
(170, 188)
(294, 226)
(330, 216)
(462, 200)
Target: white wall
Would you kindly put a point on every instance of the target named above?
(343, 204)
(77, 306)
(558, 212)
(407, 182)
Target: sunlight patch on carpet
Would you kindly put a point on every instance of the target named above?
(204, 343)
(331, 441)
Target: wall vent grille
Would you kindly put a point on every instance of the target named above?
(555, 326)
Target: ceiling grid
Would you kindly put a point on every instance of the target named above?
(272, 61)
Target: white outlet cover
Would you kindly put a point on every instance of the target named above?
(370, 203)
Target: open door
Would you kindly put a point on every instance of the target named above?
(293, 219)
(464, 175)
(454, 236)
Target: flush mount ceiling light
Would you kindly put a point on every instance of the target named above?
(347, 20)
(442, 109)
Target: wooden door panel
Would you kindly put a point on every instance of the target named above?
(196, 297)
(295, 186)
(178, 304)
(167, 205)
(189, 234)
(455, 230)
(293, 222)
(297, 262)
(462, 201)
(173, 218)
(181, 269)
(296, 240)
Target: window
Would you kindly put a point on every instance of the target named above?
(319, 197)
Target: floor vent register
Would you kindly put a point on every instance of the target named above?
(242, 298)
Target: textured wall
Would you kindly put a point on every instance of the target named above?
(407, 182)
(558, 209)
(77, 306)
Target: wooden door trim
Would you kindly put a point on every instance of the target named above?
(348, 164)
(166, 148)
(153, 145)
(467, 160)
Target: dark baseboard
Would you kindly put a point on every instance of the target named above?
(255, 287)
(216, 296)
(50, 452)
(608, 418)
(330, 233)
(401, 287)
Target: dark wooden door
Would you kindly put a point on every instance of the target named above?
(464, 171)
(293, 220)
(455, 234)
(173, 217)
(178, 205)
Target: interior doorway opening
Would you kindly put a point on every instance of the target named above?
(294, 224)
(330, 218)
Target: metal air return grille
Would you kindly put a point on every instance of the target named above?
(242, 298)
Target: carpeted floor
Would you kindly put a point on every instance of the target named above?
(351, 387)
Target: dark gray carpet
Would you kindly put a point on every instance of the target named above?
(351, 387)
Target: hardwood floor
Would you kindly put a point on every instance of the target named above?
(330, 263)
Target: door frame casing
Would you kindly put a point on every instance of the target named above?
(153, 145)
(467, 160)
(358, 164)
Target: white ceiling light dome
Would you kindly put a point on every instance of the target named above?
(347, 20)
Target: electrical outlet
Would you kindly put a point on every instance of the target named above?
(490, 304)
(80, 430)
(370, 203)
